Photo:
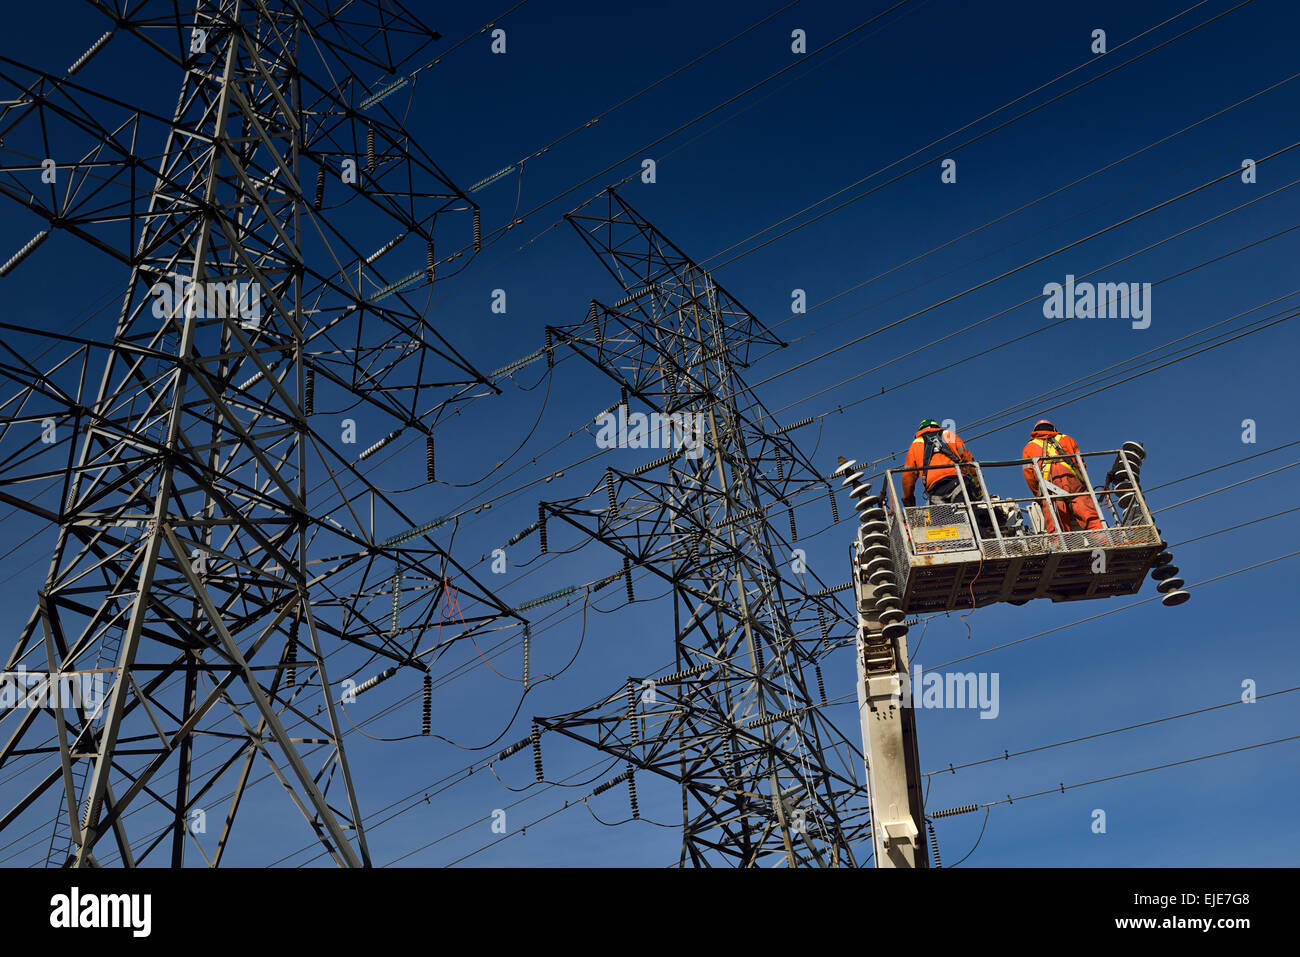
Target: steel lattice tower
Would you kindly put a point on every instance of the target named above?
(192, 568)
(736, 725)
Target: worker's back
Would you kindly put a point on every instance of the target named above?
(934, 454)
(1059, 477)
(1047, 443)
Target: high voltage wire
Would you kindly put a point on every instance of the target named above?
(914, 379)
(806, 536)
(693, 140)
(1059, 789)
(499, 233)
(1044, 329)
(455, 46)
(1247, 458)
(1273, 321)
(1191, 499)
(646, 89)
(1225, 488)
(466, 507)
(930, 343)
(842, 36)
(1001, 757)
(1084, 620)
(1234, 463)
(1143, 601)
(1014, 212)
(651, 145)
(1183, 232)
(980, 136)
(1008, 755)
(1040, 87)
(1126, 774)
(1032, 262)
(814, 53)
(609, 763)
(1079, 622)
(1095, 376)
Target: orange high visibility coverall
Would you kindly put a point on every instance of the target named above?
(941, 466)
(1074, 513)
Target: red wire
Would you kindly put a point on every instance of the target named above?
(979, 571)
(451, 603)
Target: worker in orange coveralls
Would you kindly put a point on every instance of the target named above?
(934, 453)
(1065, 475)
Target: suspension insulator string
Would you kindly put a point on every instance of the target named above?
(609, 487)
(23, 253)
(380, 444)
(428, 705)
(85, 57)
(633, 727)
(631, 791)
(371, 682)
(537, 752)
(291, 658)
(515, 748)
(397, 602)
(528, 636)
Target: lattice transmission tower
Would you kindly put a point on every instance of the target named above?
(211, 547)
(765, 777)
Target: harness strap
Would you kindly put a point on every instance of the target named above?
(934, 443)
(1049, 447)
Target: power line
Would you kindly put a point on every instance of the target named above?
(1007, 755)
(1104, 614)
(1062, 788)
(1023, 266)
(980, 136)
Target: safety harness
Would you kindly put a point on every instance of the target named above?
(1050, 448)
(934, 443)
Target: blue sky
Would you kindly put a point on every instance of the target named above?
(837, 118)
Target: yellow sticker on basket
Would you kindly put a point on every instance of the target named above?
(944, 531)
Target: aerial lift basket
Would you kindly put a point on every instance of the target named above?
(982, 548)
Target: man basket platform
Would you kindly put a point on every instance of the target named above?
(979, 549)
